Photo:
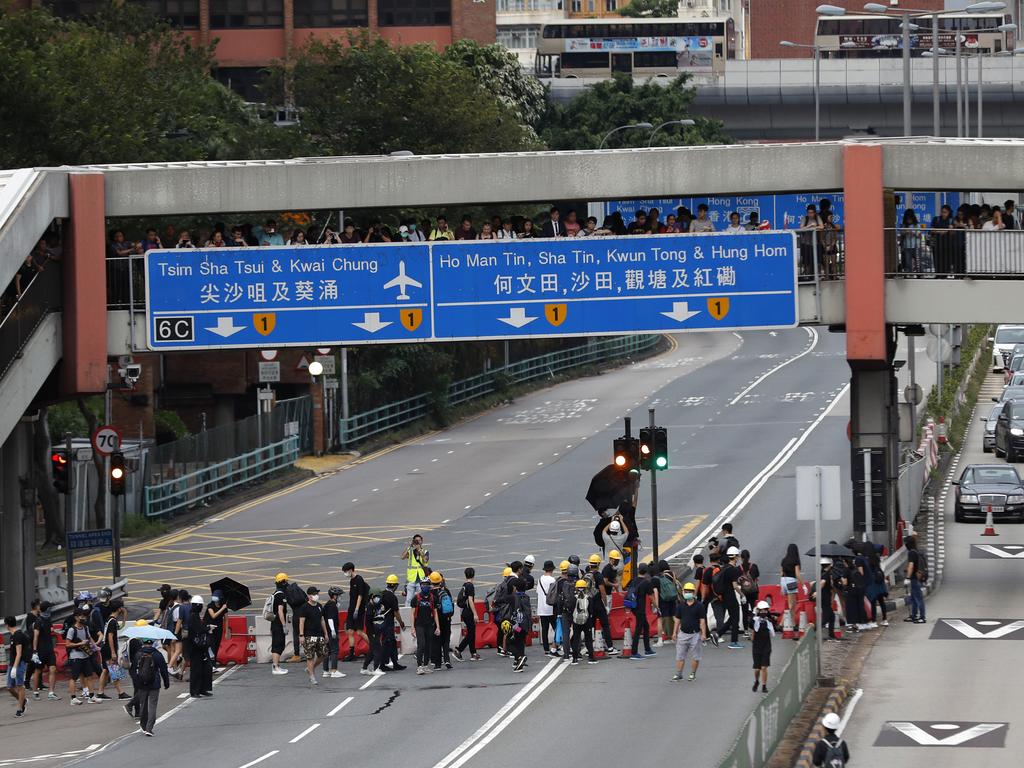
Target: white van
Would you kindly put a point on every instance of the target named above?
(1006, 338)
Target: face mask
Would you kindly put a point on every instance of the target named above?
(215, 599)
(688, 596)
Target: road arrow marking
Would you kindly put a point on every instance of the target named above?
(681, 312)
(517, 317)
(1000, 551)
(922, 737)
(372, 322)
(974, 634)
(226, 327)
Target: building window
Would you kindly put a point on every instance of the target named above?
(240, 14)
(414, 13)
(521, 6)
(518, 37)
(245, 81)
(183, 14)
(331, 13)
(74, 9)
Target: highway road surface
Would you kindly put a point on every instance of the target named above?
(742, 411)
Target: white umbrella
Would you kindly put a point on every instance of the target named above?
(148, 633)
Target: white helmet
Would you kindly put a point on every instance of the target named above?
(826, 561)
(614, 527)
(732, 552)
(831, 721)
(762, 605)
(197, 599)
(530, 560)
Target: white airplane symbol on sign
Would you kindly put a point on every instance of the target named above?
(401, 281)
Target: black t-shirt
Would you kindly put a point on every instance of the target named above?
(689, 615)
(18, 637)
(357, 587)
(279, 600)
(729, 575)
(469, 593)
(644, 587)
(389, 601)
(218, 622)
(609, 574)
(915, 560)
(330, 612)
(313, 613)
(789, 568)
(45, 627)
(528, 578)
(423, 608)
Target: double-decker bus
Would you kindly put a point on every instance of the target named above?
(875, 36)
(642, 47)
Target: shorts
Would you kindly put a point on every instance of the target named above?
(46, 659)
(352, 621)
(16, 675)
(83, 668)
(688, 645)
(789, 585)
(276, 638)
(315, 647)
(762, 657)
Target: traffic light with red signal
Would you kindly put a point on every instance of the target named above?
(61, 468)
(118, 473)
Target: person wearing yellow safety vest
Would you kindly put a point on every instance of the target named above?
(418, 557)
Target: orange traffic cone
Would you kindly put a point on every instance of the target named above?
(787, 625)
(803, 624)
(627, 642)
(990, 527)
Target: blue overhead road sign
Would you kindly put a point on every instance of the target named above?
(443, 291)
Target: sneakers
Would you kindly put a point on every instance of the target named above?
(101, 697)
(610, 651)
(419, 671)
(676, 677)
(447, 665)
(884, 622)
(764, 689)
(279, 671)
(35, 695)
(475, 657)
(692, 676)
(75, 701)
(519, 664)
(736, 646)
(365, 671)
(911, 619)
(336, 673)
(123, 696)
(20, 712)
(428, 670)
(128, 710)
(378, 672)
(920, 621)
(574, 662)
(312, 680)
(51, 696)
(93, 700)
(456, 653)
(754, 689)
(592, 661)
(637, 656)
(397, 667)
(713, 637)
(326, 674)
(649, 653)
(148, 733)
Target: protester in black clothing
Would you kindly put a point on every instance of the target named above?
(43, 653)
(763, 633)
(730, 599)
(215, 613)
(749, 586)
(332, 624)
(853, 595)
(313, 630)
(826, 583)
(389, 599)
(710, 597)
(18, 655)
(278, 623)
(519, 619)
(603, 588)
(582, 622)
(376, 617)
(645, 589)
(425, 626)
(445, 614)
(151, 670)
(467, 608)
(200, 678)
(830, 751)
(358, 596)
(877, 590)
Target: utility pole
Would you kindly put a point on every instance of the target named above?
(69, 499)
(654, 498)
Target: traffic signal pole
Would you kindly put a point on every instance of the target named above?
(654, 499)
(69, 561)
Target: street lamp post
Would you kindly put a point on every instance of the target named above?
(643, 126)
(685, 122)
(817, 81)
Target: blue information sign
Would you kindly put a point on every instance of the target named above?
(101, 537)
(357, 294)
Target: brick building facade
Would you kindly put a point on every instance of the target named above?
(773, 20)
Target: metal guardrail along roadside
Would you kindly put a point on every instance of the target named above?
(766, 725)
(363, 425)
(196, 487)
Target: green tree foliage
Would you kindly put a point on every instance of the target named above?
(367, 97)
(659, 9)
(587, 119)
(123, 87)
(498, 70)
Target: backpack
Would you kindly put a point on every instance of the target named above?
(460, 599)
(295, 595)
(565, 596)
(592, 583)
(518, 618)
(717, 582)
(668, 589)
(146, 672)
(424, 603)
(551, 596)
(834, 754)
(447, 608)
(629, 600)
(746, 584)
(581, 611)
(921, 571)
(268, 607)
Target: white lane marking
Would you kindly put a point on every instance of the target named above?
(370, 682)
(305, 733)
(814, 342)
(498, 716)
(443, 522)
(36, 758)
(512, 716)
(341, 706)
(260, 759)
(848, 713)
(750, 490)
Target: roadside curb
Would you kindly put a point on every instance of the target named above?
(835, 703)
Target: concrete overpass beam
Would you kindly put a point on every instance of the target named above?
(17, 525)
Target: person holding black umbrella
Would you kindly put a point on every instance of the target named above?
(215, 612)
(200, 677)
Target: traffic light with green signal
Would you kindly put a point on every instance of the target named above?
(660, 448)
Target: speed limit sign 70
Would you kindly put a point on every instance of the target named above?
(106, 440)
